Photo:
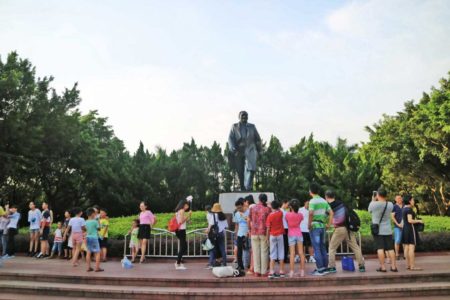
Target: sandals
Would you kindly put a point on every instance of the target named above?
(381, 270)
(89, 270)
(415, 269)
(394, 270)
(99, 270)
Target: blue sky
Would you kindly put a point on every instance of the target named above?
(166, 71)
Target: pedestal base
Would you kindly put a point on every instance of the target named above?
(227, 200)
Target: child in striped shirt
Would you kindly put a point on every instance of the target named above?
(58, 241)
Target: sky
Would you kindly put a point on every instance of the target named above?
(164, 72)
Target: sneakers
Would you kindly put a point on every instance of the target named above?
(362, 269)
(281, 275)
(291, 274)
(318, 273)
(39, 255)
(179, 267)
(312, 260)
(209, 267)
(302, 273)
(6, 256)
(331, 270)
(271, 276)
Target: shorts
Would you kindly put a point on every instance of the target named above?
(384, 242)
(306, 239)
(92, 245)
(397, 235)
(45, 233)
(276, 247)
(294, 240)
(77, 238)
(134, 244)
(103, 242)
(144, 232)
(34, 230)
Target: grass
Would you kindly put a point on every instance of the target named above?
(121, 225)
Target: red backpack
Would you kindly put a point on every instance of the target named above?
(173, 224)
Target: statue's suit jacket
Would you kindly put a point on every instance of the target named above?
(249, 145)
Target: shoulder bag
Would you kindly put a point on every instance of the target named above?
(375, 228)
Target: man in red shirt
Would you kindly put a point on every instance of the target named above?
(275, 231)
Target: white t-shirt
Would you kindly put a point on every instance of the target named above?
(34, 218)
(285, 224)
(77, 223)
(221, 224)
(183, 225)
(304, 223)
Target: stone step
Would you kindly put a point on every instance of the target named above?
(248, 281)
(412, 289)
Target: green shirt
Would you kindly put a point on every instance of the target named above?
(320, 209)
(92, 228)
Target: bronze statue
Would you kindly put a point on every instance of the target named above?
(245, 146)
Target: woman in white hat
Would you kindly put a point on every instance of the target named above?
(217, 223)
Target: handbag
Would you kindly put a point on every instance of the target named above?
(420, 227)
(375, 228)
(213, 234)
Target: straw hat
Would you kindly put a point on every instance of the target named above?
(216, 208)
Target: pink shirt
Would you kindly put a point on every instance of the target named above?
(293, 220)
(146, 218)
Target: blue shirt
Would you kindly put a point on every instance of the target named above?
(397, 214)
(241, 220)
(13, 220)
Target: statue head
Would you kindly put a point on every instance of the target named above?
(243, 117)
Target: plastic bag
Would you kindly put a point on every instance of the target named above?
(348, 264)
(225, 272)
(126, 263)
(207, 245)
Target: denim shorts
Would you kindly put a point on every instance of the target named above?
(294, 240)
(92, 245)
(34, 230)
(397, 235)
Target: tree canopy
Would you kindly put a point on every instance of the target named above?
(50, 151)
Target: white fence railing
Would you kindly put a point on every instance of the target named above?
(163, 243)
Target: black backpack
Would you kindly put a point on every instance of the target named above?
(213, 234)
(352, 220)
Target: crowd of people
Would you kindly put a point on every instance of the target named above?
(267, 235)
(73, 237)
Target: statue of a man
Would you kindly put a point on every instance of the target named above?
(245, 146)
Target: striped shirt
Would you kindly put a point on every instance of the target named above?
(320, 209)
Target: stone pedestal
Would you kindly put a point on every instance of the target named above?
(227, 200)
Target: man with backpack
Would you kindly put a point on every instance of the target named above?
(346, 223)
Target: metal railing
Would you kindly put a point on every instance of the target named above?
(163, 243)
